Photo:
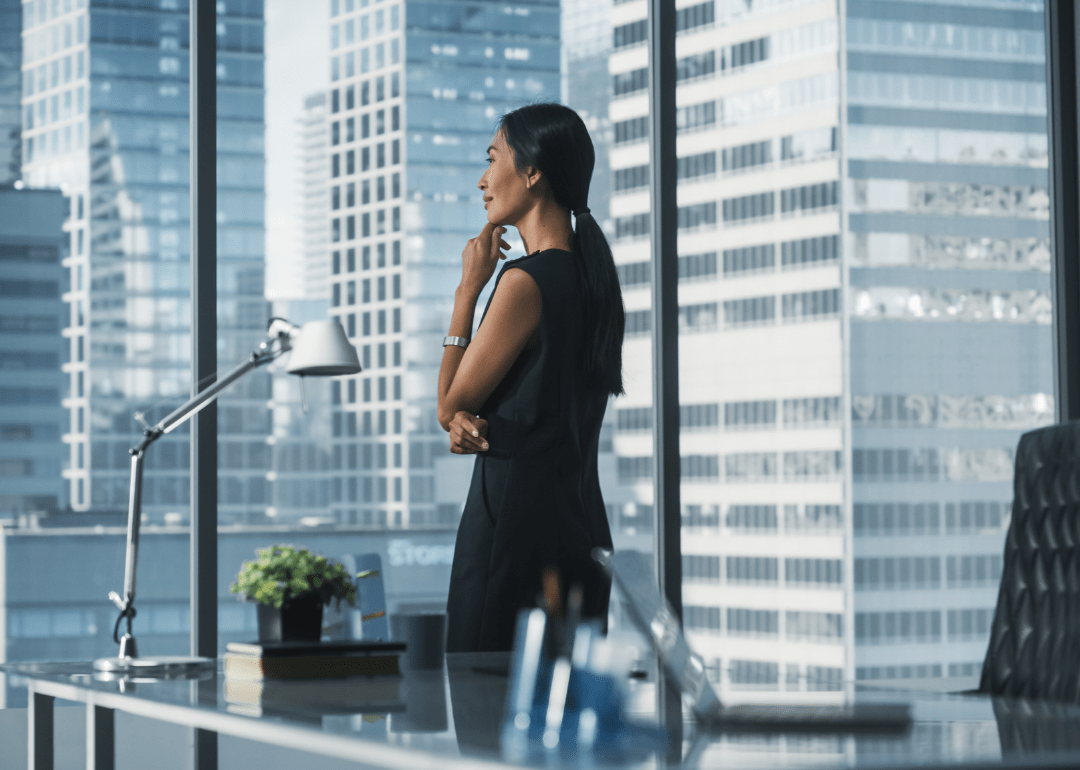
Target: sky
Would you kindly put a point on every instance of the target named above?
(296, 65)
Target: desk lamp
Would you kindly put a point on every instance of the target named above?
(319, 349)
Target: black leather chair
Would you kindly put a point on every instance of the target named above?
(1034, 649)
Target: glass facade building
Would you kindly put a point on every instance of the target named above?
(416, 90)
(105, 117)
(31, 315)
(949, 301)
(10, 88)
(864, 315)
(315, 196)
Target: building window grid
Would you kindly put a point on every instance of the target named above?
(901, 519)
(903, 627)
(897, 573)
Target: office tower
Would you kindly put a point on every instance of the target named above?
(951, 352)
(864, 320)
(315, 197)
(10, 90)
(32, 244)
(105, 107)
(761, 366)
(415, 92)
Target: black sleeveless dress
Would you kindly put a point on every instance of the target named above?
(535, 499)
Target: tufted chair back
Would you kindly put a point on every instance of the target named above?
(1034, 649)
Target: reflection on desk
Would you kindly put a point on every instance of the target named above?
(453, 719)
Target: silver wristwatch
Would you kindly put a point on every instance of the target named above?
(461, 342)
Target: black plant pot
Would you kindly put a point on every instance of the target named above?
(298, 620)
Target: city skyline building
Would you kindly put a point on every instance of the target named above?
(864, 323)
(10, 90)
(315, 197)
(949, 303)
(416, 90)
(760, 331)
(31, 316)
(105, 118)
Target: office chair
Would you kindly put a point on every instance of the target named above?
(1034, 649)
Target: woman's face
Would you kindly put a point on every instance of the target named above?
(506, 190)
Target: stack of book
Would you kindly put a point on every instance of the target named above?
(327, 677)
(311, 660)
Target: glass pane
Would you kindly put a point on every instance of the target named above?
(100, 315)
(247, 409)
(591, 83)
(389, 137)
(951, 354)
(865, 318)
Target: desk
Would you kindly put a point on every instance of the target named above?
(451, 719)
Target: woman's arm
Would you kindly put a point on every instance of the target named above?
(469, 376)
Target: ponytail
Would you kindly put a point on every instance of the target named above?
(605, 319)
(553, 139)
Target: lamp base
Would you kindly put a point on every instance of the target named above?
(161, 667)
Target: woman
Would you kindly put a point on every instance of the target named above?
(527, 394)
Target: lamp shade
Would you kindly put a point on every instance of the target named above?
(321, 349)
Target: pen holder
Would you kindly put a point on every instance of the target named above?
(562, 709)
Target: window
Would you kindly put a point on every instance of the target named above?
(749, 415)
(746, 156)
(696, 66)
(749, 259)
(751, 622)
(632, 130)
(745, 53)
(630, 82)
(694, 16)
(701, 569)
(810, 305)
(749, 207)
(753, 311)
(694, 166)
(752, 569)
(809, 198)
(697, 216)
(751, 518)
(809, 252)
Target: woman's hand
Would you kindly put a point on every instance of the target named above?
(480, 257)
(468, 434)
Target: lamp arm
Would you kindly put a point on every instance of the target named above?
(264, 354)
(279, 342)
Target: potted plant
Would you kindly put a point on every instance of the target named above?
(290, 586)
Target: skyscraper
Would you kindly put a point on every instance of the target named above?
(315, 197)
(415, 91)
(951, 353)
(864, 319)
(105, 117)
(32, 244)
(10, 90)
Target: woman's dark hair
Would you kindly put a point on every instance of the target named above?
(553, 139)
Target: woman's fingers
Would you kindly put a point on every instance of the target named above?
(467, 434)
(481, 255)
